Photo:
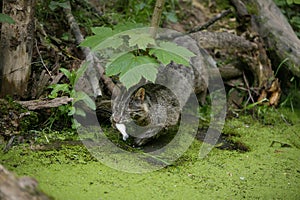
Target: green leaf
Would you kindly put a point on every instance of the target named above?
(134, 75)
(289, 2)
(58, 88)
(167, 52)
(6, 19)
(98, 42)
(104, 38)
(141, 40)
(66, 72)
(92, 41)
(126, 26)
(80, 112)
(72, 111)
(119, 64)
(179, 50)
(112, 42)
(101, 34)
(81, 71)
(82, 96)
(127, 61)
(102, 31)
(297, 1)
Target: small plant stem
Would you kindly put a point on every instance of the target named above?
(156, 16)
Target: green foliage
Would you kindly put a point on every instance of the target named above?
(54, 5)
(167, 52)
(69, 90)
(6, 19)
(132, 52)
(134, 75)
(141, 11)
(289, 2)
(50, 13)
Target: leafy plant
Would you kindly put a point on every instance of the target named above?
(69, 90)
(140, 11)
(132, 52)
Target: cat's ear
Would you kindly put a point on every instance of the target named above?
(140, 94)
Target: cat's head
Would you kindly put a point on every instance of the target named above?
(130, 112)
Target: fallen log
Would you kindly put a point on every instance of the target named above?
(258, 61)
(277, 33)
(45, 103)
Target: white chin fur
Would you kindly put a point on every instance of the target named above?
(122, 129)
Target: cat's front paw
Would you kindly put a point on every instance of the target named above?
(122, 129)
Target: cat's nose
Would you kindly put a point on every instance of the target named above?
(116, 119)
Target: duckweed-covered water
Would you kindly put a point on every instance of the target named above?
(270, 170)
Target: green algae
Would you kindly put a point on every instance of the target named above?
(270, 170)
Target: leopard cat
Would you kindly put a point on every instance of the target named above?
(144, 111)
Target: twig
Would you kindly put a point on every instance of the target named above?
(242, 88)
(248, 88)
(94, 70)
(212, 21)
(41, 58)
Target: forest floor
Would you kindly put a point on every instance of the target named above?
(269, 170)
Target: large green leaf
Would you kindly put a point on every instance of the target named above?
(97, 42)
(113, 42)
(127, 26)
(134, 75)
(92, 41)
(107, 38)
(141, 40)
(167, 52)
(102, 31)
(123, 63)
(119, 64)
(104, 38)
(179, 50)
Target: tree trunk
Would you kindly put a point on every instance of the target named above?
(16, 47)
(277, 34)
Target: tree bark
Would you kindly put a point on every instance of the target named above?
(45, 103)
(277, 33)
(16, 47)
